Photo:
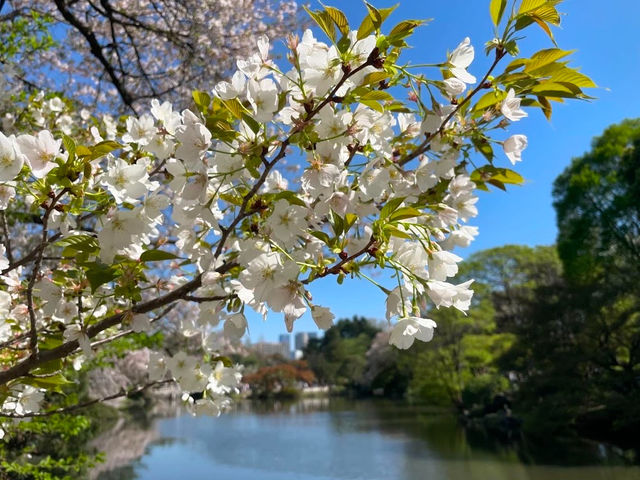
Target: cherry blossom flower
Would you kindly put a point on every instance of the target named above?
(460, 59)
(408, 329)
(513, 147)
(510, 107)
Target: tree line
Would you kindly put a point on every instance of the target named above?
(553, 333)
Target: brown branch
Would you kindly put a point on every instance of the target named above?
(13, 14)
(181, 292)
(96, 51)
(78, 406)
(337, 268)
(424, 146)
(7, 237)
(32, 254)
(33, 331)
(24, 367)
(129, 332)
(281, 153)
(216, 298)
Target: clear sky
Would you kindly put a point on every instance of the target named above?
(606, 35)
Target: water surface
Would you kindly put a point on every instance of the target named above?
(319, 439)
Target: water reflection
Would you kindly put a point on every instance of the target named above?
(321, 439)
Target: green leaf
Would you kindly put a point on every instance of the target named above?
(375, 77)
(76, 244)
(232, 199)
(343, 44)
(543, 58)
(373, 105)
(406, 27)
(157, 256)
(484, 147)
(368, 25)
(365, 28)
(47, 368)
(253, 125)
(322, 236)
(556, 89)
(338, 18)
(349, 220)
(98, 274)
(69, 146)
(545, 105)
(376, 95)
(76, 240)
(202, 100)
(496, 9)
(324, 21)
(290, 197)
(496, 176)
(573, 77)
(101, 149)
(390, 207)
(374, 13)
(528, 5)
(497, 183)
(235, 107)
(404, 213)
(489, 99)
(543, 15)
(50, 382)
(394, 231)
(221, 130)
(337, 223)
(507, 176)
(82, 151)
(226, 361)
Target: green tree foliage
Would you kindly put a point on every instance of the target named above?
(49, 448)
(577, 354)
(460, 365)
(585, 333)
(598, 207)
(338, 358)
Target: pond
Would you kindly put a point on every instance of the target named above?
(337, 439)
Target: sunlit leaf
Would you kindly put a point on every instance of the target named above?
(496, 9)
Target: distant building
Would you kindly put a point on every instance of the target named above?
(268, 348)
(285, 339)
(301, 340)
(313, 335)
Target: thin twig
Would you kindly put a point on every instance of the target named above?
(33, 331)
(78, 406)
(7, 237)
(216, 298)
(32, 254)
(424, 146)
(129, 332)
(337, 268)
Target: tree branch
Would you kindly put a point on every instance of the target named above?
(424, 146)
(78, 406)
(96, 51)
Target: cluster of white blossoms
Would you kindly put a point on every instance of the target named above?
(203, 207)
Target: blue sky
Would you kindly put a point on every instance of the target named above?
(606, 37)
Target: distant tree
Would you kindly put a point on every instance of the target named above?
(598, 207)
(338, 358)
(592, 330)
(461, 366)
(279, 380)
(124, 53)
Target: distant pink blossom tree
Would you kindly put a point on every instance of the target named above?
(123, 53)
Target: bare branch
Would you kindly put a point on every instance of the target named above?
(79, 406)
(96, 51)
